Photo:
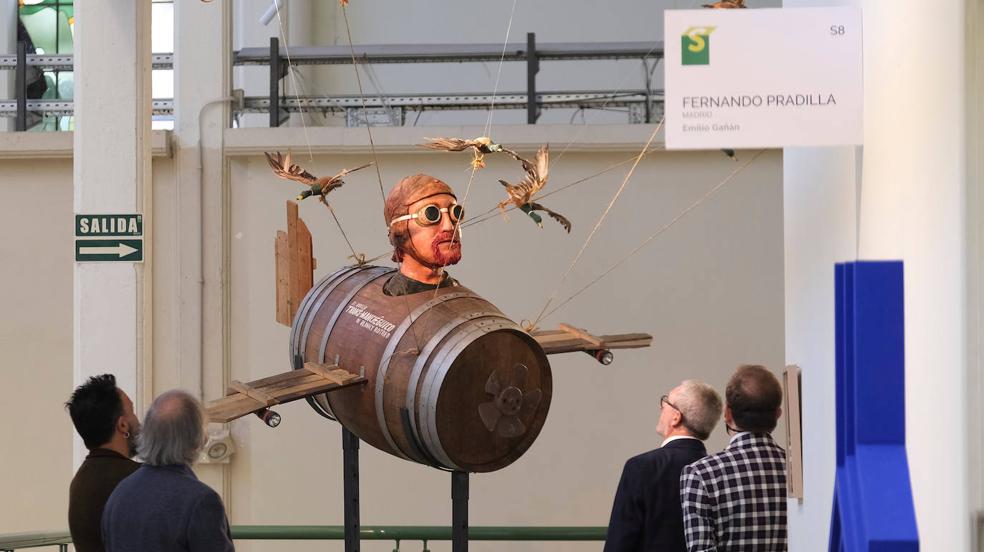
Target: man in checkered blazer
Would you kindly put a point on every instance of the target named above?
(735, 500)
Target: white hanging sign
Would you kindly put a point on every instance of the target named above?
(763, 77)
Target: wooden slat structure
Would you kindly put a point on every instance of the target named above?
(295, 265)
(568, 339)
(245, 398)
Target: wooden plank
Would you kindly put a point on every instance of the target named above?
(578, 332)
(303, 266)
(791, 381)
(321, 369)
(252, 392)
(280, 388)
(272, 380)
(292, 282)
(300, 271)
(229, 408)
(559, 341)
(282, 257)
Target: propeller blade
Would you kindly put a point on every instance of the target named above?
(490, 414)
(510, 426)
(531, 400)
(492, 386)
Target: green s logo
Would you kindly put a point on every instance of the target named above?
(695, 46)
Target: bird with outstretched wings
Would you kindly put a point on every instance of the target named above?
(284, 168)
(479, 146)
(521, 195)
(726, 5)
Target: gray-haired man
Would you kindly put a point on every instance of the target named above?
(163, 506)
(646, 514)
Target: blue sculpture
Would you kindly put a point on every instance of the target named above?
(873, 508)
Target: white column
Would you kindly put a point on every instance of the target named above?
(112, 175)
(913, 207)
(202, 98)
(8, 45)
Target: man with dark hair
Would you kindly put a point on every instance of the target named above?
(423, 216)
(735, 500)
(163, 507)
(646, 514)
(103, 416)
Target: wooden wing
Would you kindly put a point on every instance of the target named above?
(568, 339)
(246, 398)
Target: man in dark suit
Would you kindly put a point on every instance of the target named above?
(735, 500)
(103, 416)
(646, 515)
(163, 507)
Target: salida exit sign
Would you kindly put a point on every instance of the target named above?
(117, 237)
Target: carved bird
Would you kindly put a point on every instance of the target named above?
(480, 146)
(320, 187)
(726, 5)
(521, 195)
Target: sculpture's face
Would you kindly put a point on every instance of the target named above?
(435, 243)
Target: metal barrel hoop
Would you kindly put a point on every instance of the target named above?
(384, 361)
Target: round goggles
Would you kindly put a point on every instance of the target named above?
(431, 214)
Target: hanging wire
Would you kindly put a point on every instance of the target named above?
(455, 233)
(601, 220)
(362, 97)
(659, 232)
(292, 70)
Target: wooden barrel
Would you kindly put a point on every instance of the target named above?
(452, 382)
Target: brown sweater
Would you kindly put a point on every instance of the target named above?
(98, 475)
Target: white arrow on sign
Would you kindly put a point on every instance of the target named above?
(121, 250)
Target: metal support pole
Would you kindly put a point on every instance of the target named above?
(532, 68)
(459, 511)
(275, 74)
(350, 462)
(20, 124)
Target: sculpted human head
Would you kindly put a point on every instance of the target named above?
(421, 212)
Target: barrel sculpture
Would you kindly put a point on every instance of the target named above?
(451, 382)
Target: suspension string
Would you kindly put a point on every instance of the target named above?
(355, 256)
(615, 94)
(601, 220)
(362, 97)
(487, 130)
(498, 74)
(488, 122)
(666, 227)
(493, 212)
(292, 69)
(375, 158)
(293, 78)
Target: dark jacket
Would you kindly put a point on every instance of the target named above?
(165, 509)
(98, 475)
(646, 515)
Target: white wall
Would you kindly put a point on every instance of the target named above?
(912, 208)
(36, 255)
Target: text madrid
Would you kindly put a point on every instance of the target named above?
(778, 100)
